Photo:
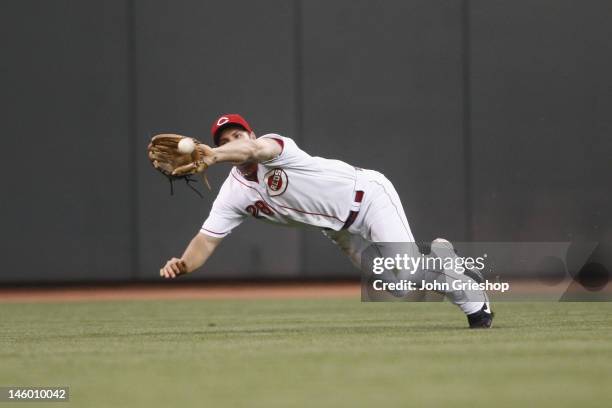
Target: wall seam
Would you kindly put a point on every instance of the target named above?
(133, 140)
(467, 118)
(299, 109)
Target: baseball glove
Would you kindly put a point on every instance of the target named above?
(166, 158)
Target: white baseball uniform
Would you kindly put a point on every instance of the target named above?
(353, 207)
(296, 189)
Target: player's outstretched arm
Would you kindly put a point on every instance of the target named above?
(197, 253)
(246, 150)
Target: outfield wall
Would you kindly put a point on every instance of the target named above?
(491, 118)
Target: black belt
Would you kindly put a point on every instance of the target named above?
(353, 214)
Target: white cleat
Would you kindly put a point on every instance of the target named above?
(442, 248)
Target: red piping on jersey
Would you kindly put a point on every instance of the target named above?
(213, 232)
(281, 142)
(310, 213)
(288, 208)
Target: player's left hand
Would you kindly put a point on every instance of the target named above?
(173, 268)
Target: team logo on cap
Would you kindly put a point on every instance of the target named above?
(222, 120)
(276, 181)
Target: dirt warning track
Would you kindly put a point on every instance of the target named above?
(310, 290)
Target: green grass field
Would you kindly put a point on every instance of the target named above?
(293, 353)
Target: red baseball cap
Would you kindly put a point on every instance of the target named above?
(228, 119)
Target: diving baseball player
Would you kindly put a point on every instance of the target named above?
(273, 180)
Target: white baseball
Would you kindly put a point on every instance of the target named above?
(186, 146)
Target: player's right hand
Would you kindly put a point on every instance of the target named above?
(173, 268)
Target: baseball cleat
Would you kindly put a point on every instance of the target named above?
(482, 319)
(443, 248)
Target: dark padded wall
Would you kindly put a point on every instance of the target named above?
(382, 90)
(541, 104)
(380, 85)
(196, 60)
(64, 114)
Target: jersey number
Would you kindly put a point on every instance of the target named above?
(258, 207)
